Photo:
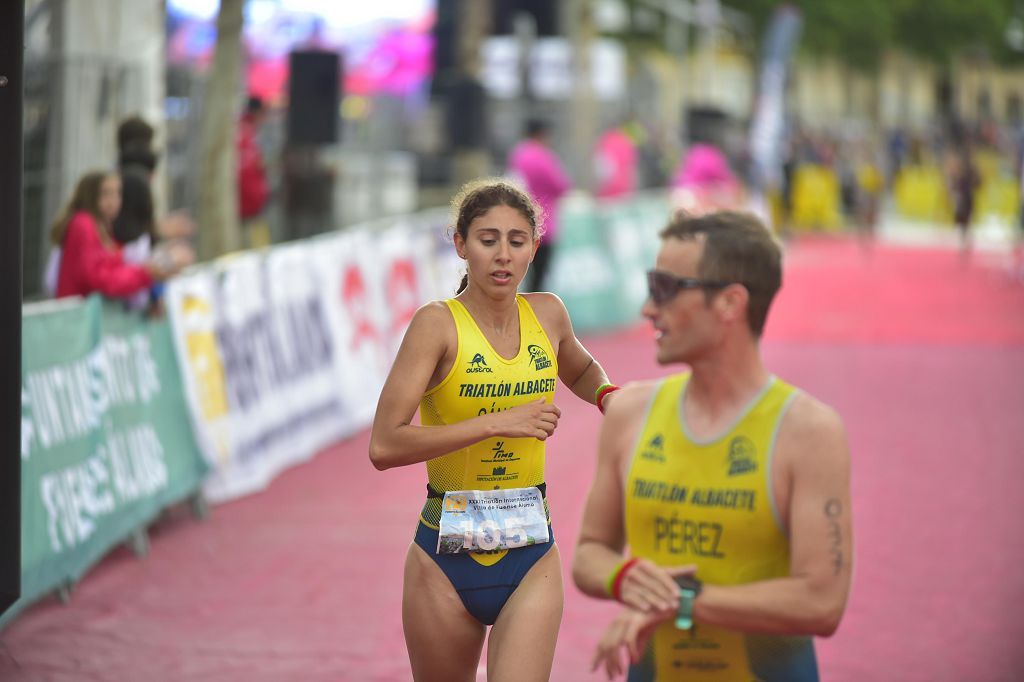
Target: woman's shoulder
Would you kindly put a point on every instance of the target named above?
(81, 225)
(548, 308)
(81, 220)
(431, 314)
(545, 302)
(432, 327)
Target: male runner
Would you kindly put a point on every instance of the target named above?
(729, 487)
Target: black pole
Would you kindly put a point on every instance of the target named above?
(12, 41)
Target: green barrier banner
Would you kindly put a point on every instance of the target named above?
(583, 270)
(106, 441)
(601, 255)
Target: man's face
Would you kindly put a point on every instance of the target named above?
(686, 324)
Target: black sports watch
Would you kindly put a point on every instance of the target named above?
(689, 587)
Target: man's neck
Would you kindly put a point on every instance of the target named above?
(721, 385)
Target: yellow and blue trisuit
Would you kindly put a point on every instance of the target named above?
(481, 382)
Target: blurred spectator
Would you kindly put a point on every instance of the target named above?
(252, 176)
(90, 259)
(896, 150)
(135, 228)
(1018, 251)
(789, 166)
(615, 164)
(965, 179)
(868, 194)
(537, 166)
(704, 182)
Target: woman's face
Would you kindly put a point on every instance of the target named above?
(110, 197)
(498, 248)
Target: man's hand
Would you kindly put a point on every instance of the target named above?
(649, 587)
(630, 630)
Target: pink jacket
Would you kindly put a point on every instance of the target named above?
(545, 180)
(616, 160)
(704, 167)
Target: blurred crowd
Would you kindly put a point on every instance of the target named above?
(110, 239)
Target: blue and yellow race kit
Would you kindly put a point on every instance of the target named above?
(481, 382)
(710, 503)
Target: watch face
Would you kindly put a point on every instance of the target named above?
(688, 582)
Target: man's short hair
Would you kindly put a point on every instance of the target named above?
(737, 248)
(136, 133)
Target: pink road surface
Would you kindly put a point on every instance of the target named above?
(923, 358)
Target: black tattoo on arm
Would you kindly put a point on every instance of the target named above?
(833, 510)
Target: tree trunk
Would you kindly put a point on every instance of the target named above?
(219, 228)
(473, 27)
(583, 106)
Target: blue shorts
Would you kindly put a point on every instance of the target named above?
(483, 589)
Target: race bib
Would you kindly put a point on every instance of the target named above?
(474, 520)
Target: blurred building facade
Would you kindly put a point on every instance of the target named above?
(582, 64)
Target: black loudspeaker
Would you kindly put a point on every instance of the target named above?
(314, 92)
(467, 114)
(706, 124)
(544, 13)
(446, 42)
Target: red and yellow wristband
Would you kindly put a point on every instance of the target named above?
(613, 584)
(601, 393)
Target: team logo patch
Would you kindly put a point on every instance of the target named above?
(538, 357)
(655, 449)
(478, 364)
(742, 456)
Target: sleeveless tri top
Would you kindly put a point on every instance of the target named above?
(480, 382)
(710, 503)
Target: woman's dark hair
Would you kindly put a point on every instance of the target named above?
(135, 155)
(136, 216)
(479, 196)
(86, 197)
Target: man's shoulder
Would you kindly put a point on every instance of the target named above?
(810, 426)
(808, 412)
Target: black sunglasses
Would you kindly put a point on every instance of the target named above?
(663, 286)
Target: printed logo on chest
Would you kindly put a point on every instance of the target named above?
(742, 456)
(539, 357)
(478, 364)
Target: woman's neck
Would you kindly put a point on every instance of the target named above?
(500, 315)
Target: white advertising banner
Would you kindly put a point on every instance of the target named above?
(259, 359)
(285, 351)
(355, 315)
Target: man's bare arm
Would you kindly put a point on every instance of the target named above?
(602, 532)
(812, 446)
(599, 550)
